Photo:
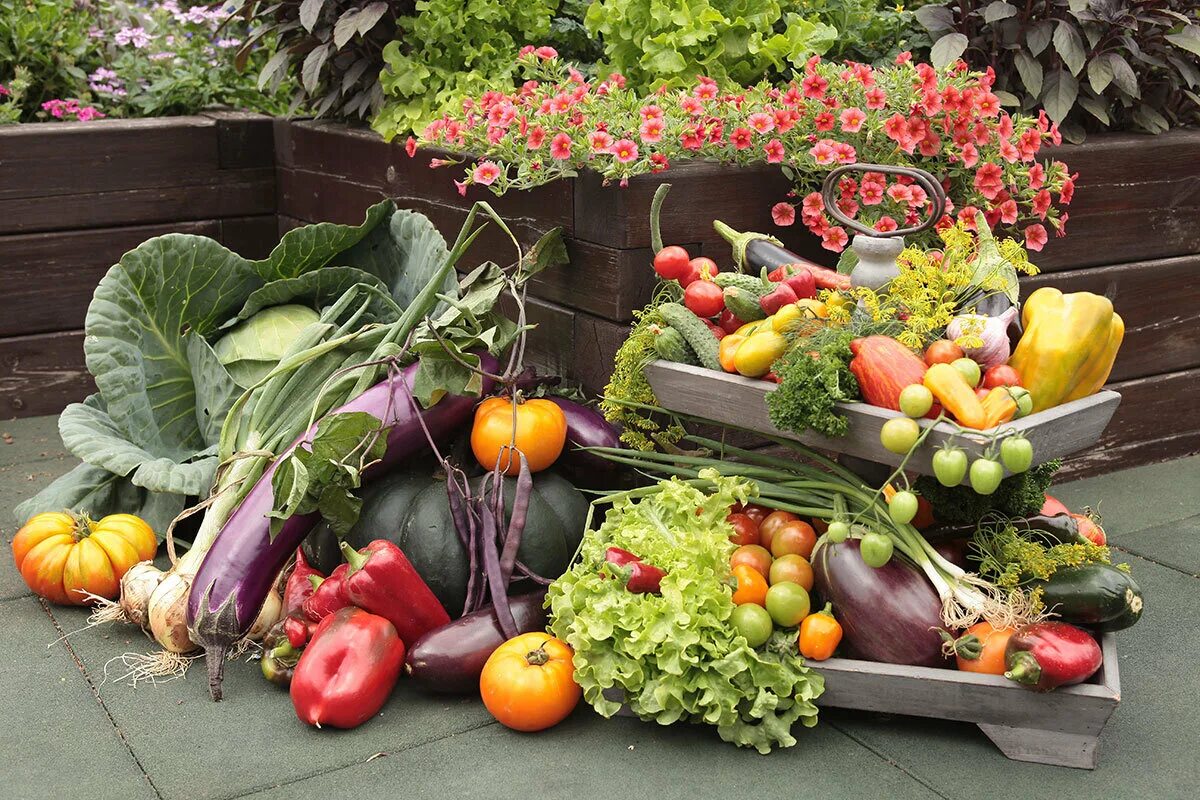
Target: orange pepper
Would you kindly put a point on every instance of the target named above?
(751, 586)
(728, 349)
(820, 634)
(998, 407)
(956, 396)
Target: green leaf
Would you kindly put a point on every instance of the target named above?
(1149, 119)
(947, 50)
(1100, 74)
(405, 253)
(1188, 39)
(1096, 107)
(1030, 70)
(1123, 75)
(1059, 93)
(935, 18)
(316, 289)
(310, 11)
(998, 10)
(310, 70)
(345, 28)
(549, 250)
(1069, 46)
(98, 492)
(1038, 36)
(216, 391)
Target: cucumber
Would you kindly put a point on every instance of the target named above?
(694, 331)
(743, 305)
(747, 283)
(670, 345)
(1092, 594)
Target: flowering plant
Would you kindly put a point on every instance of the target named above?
(946, 122)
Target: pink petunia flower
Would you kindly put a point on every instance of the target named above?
(1041, 203)
(835, 239)
(1067, 193)
(691, 105)
(624, 150)
(658, 162)
(784, 214)
(823, 152)
(1008, 211)
(651, 112)
(486, 173)
(814, 86)
(546, 53)
(876, 98)
(740, 138)
(410, 147)
(537, 135)
(852, 119)
(969, 155)
(651, 131)
(560, 146)
(600, 141)
(774, 150)
(989, 180)
(824, 121)
(1009, 152)
(761, 122)
(1036, 237)
(885, 224)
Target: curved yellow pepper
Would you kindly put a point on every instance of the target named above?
(1069, 345)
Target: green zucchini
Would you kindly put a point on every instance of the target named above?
(670, 345)
(697, 334)
(743, 305)
(1092, 594)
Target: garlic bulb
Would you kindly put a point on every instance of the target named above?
(992, 330)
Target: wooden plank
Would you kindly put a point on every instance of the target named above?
(741, 401)
(41, 374)
(228, 193)
(1060, 749)
(250, 237)
(52, 159)
(1159, 302)
(244, 139)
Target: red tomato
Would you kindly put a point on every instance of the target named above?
(1053, 506)
(924, 517)
(756, 513)
(754, 556)
(698, 268)
(745, 529)
(1089, 528)
(717, 331)
(1001, 375)
(794, 538)
(672, 263)
(772, 523)
(943, 351)
(819, 525)
(704, 298)
(728, 322)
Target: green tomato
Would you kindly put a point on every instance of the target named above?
(986, 475)
(1017, 453)
(950, 466)
(876, 549)
(838, 531)
(788, 603)
(899, 435)
(903, 507)
(968, 369)
(753, 622)
(1023, 399)
(915, 401)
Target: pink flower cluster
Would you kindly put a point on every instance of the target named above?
(949, 123)
(71, 109)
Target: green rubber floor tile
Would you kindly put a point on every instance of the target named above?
(195, 749)
(590, 757)
(1147, 749)
(56, 739)
(1173, 544)
(1136, 499)
(30, 439)
(17, 482)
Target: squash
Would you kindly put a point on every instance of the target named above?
(410, 507)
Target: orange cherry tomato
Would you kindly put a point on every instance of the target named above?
(771, 523)
(751, 586)
(793, 568)
(943, 351)
(796, 537)
(757, 557)
(63, 557)
(528, 683)
(993, 642)
(820, 634)
(745, 529)
(540, 433)
(727, 350)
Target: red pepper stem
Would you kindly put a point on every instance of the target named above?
(316, 581)
(354, 558)
(1024, 668)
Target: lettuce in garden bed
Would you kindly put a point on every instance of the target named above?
(676, 656)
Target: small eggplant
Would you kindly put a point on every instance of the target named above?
(586, 427)
(1046, 655)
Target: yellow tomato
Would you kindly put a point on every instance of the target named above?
(755, 356)
(749, 328)
(814, 307)
(786, 318)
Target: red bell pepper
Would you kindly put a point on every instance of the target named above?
(1046, 655)
(329, 594)
(298, 587)
(348, 669)
(639, 577)
(382, 580)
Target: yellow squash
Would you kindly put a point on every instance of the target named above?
(1069, 345)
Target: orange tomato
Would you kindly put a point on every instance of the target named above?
(751, 586)
(728, 349)
(943, 351)
(820, 634)
(62, 556)
(771, 523)
(528, 683)
(992, 641)
(796, 537)
(792, 568)
(754, 556)
(537, 428)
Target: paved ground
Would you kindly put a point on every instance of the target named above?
(67, 733)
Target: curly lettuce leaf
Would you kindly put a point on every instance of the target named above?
(676, 657)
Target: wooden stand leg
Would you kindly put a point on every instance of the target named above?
(1044, 747)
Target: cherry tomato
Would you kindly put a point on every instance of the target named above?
(899, 434)
(699, 268)
(902, 507)
(671, 263)
(773, 522)
(838, 531)
(1001, 375)
(754, 556)
(1024, 401)
(915, 400)
(876, 549)
(728, 322)
(753, 623)
(751, 586)
(794, 568)
(756, 512)
(788, 604)
(943, 351)
(986, 475)
(704, 298)
(950, 466)
(1017, 453)
(968, 369)
(745, 530)
(794, 538)
(1088, 527)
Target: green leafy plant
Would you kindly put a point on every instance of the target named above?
(870, 31)
(1091, 64)
(49, 41)
(331, 50)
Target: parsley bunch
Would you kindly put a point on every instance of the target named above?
(814, 377)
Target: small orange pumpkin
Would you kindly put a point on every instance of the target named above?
(61, 556)
(528, 683)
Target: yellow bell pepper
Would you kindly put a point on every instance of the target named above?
(954, 393)
(998, 407)
(1069, 345)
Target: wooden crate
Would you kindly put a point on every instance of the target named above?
(1054, 433)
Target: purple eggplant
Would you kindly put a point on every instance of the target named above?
(890, 614)
(451, 658)
(586, 427)
(238, 571)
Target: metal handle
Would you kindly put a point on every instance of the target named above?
(926, 181)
